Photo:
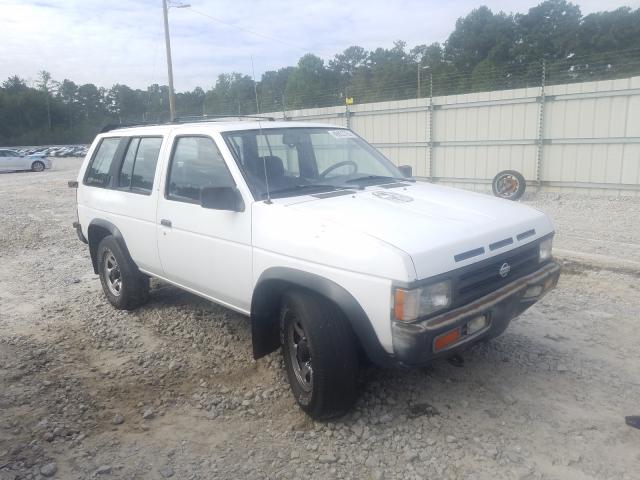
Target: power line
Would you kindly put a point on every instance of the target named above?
(246, 30)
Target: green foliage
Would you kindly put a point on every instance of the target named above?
(485, 51)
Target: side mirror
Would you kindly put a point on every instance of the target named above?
(222, 198)
(406, 170)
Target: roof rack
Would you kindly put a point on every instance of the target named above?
(186, 119)
(209, 118)
(116, 126)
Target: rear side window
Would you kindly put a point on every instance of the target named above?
(98, 171)
(139, 164)
(196, 163)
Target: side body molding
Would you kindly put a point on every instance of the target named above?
(265, 310)
(98, 229)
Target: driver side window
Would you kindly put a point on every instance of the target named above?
(196, 163)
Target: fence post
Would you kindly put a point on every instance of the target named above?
(347, 113)
(431, 126)
(539, 153)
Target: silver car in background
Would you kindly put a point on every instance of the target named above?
(11, 160)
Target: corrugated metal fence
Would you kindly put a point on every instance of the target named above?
(582, 136)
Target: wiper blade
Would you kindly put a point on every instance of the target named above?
(374, 177)
(296, 188)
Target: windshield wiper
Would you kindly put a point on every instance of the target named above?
(296, 188)
(374, 178)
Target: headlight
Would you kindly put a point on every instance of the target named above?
(545, 249)
(409, 305)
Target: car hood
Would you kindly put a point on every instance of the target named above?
(438, 227)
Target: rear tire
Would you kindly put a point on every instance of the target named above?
(37, 166)
(508, 184)
(123, 284)
(319, 353)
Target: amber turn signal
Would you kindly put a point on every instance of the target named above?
(443, 340)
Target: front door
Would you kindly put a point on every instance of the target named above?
(205, 250)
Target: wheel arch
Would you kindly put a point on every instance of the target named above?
(97, 230)
(266, 303)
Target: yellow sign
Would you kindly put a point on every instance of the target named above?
(348, 100)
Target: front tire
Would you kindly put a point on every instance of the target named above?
(37, 166)
(124, 286)
(319, 353)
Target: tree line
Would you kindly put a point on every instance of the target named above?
(485, 51)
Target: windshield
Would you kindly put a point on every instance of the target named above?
(297, 161)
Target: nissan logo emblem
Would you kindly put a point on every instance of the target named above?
(504, 270)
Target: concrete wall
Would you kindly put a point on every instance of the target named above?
(580, 136)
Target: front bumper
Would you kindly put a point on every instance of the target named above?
(414, 343)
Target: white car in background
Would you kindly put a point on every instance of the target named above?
(11, 160)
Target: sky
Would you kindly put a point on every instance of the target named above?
(118, 41)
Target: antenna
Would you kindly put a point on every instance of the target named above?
(255, 86)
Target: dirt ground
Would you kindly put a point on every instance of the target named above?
(171, 390)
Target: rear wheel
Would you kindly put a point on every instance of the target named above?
(37, 166)
(319, 353)
(125, 287)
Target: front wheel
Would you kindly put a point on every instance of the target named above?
(37, 166)
(319, 353)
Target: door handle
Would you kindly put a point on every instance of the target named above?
(165, 223)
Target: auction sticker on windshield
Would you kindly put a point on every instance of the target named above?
(342, 134)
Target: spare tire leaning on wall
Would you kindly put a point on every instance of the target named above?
(508, 184)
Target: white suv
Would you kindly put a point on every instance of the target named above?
(334, 253)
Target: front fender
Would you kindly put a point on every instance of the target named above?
(265, 310)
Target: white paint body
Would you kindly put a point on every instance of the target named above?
(364, 241)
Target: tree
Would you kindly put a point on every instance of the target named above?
(68, 93)
(271, 89)
(14, 85)
(310, 84)
(47, 86)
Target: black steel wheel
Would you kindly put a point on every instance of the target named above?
(123, 284)
(319, 353)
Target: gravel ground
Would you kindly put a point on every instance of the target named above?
(608, 226)
(171, 390)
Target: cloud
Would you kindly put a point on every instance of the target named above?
(91, 41)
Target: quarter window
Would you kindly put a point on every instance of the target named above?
(139, 164)
(196, 163)
(98, 171)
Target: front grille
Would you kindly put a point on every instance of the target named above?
(478, 280)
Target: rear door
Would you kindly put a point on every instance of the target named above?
(120, 186)
(134, 198)
(204, 250)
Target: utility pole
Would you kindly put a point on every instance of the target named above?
(172, 99)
